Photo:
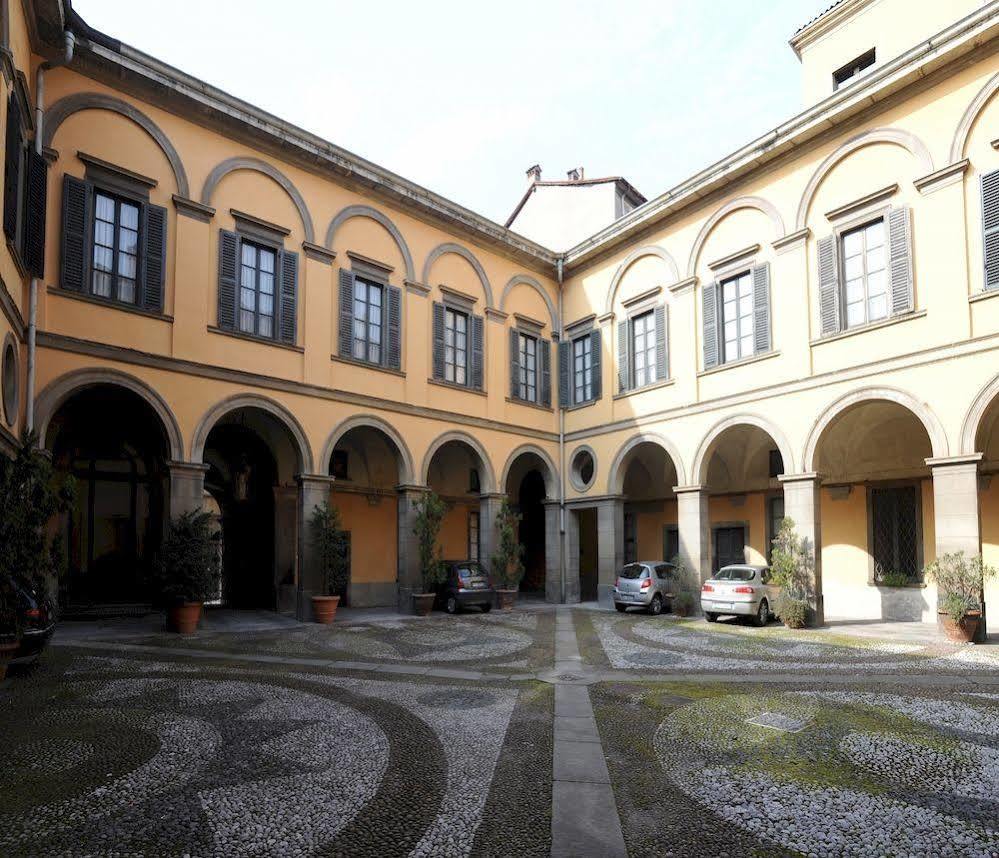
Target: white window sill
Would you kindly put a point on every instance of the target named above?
(667, 382)
(741, 362)
(873, 326)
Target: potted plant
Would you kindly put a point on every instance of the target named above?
(10, 624)
(188, 569)
(682, 604)
(790, 569)
(508, 561)
(429, 517)
(960, 581)
(330, 540)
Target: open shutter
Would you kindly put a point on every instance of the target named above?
(829, 314)
(709, 312)
(12, 167)
(596, 362)
(287, 331)
(154, 219)
(564, 372)
(393, 359)
(228, 266)
(990, 228)
(438, 341)
(346, 315)
(36, 183)
(514, 363)
(900, 256)
(761, 308)
(76, 197)
(662, 352)
(545, 347)
(478, 334)
(623, 355)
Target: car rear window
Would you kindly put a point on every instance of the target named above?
(634, 570)
(469, 570)
(734, 573)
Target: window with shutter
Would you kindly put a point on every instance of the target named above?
(623, 356)
(369, 320)
(545, 355)
(514, 363)
(478, 352)
(456, 346)
(737, 316)
(345, 330)
(229, 254)
(288, 271)
(709, 324)
(900, 260)
(35, 206)
(257, 269)
(761, 308)
(394, 344)
(829, 303)
(564, 373)
(13, 159)
(527, 363)
(662, 345)
(582, 369)
(153, 256)
(596, 363)
(439, 349)
(990, 228)
(643, 349)
(864, 259)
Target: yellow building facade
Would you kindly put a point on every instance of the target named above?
(218, 309)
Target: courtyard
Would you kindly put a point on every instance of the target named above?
(563, 731)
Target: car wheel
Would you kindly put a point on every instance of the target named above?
(656, 608)
(621, 608)
(763, 613)
(487, 607)
(711, 618)
(451, 606)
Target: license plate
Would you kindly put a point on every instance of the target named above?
(478, 585)
(719, 606)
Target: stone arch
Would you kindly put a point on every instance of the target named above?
(70, 104)
(551, 475)
(57, 392)
(262, 403)
(526, 280)
(761, 205)
(699, 471)
(973, 419)
(908, 141)
(231, 165)
(629, 260)
(406, 476)
(970, 115)
(487, 479)
(380, 218)
(932, 425)
(615, 477)
(468, 256)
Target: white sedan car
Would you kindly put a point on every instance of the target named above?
(741, 590)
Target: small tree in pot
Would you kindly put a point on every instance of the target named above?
(960, 581)
(187, 569)
(790, 569)
(683, 588)
(430, 511)
(330, 541)
(508, 560)
(10, 624)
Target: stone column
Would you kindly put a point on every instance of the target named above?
(409, 578)
(572, 586)
(694, 526)
(313, 490)
(187, 486)
(802, 505)
(553, 552)
(610, 545)
(489, 507)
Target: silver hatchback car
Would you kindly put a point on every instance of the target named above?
(742, 590)
(645, 584)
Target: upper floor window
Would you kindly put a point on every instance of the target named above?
(579, 368)
(528, 361)
(737, 317)
(256, 290)
(25, 189)
(865, 280)
(368, 305)
(458, 341)
(853, 69)
(116, 248)
(455, 346)
(643, 348)
(582, 369)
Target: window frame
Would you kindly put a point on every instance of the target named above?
(723, 354)
(258, 244)
(856, 67)
(474, 516)
(118, 198)
(647, 316)
(858, 224)
(452, 312)
(917, 487)
(369, 284)
(587, 358)
(528, 378)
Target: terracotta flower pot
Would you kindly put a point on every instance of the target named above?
(506, 599)
(7, 650)
(423, 604)
(324, 608)
(964, 631)
(183, 618)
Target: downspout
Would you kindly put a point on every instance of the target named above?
(70, 44)
(561, 450)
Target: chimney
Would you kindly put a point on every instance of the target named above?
(575, 174)
(534, 174)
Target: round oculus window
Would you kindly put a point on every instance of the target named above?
(8, 379)
(583, 469)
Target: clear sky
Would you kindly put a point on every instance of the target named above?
(462, 97)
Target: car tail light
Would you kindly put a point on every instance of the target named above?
(33, 613)
(461, 583)
(743, 590)
(646, 583)
(617, 583)
(707, 588)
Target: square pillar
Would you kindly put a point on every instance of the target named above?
(187, 486)
(409, 577)
(553, 553)
(802, 504)
(571, 595)
(694, 526)
(610, 545)
(489, 507)
(313, 491)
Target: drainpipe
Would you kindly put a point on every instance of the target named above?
(70, 44)
(561, 451)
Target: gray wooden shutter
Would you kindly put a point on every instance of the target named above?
(478, 335)
(662, 348)
(596, 362)
(564, 373)
(900, 256)
(12, 167)
(545, 347)
(829, 312)
(76, 208)
(346, 314)
(709, 311)
(990, 228)
(228, 268)
(623, 356)
(393, 353)
(154, 226)
(514, 363)
(288, 266)
(761, 308)
(36, 183)
(438, 341)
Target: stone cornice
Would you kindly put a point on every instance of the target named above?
(949, 175)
